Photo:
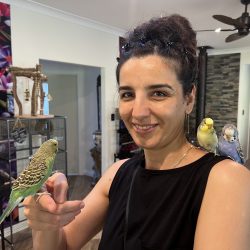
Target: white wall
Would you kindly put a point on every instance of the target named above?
(244, 103)
(40, 33)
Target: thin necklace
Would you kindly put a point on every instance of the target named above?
(184, 155)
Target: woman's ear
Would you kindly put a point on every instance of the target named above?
(190, 100)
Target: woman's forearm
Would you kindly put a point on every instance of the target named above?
(49, 240)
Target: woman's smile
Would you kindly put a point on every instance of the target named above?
(144, 128)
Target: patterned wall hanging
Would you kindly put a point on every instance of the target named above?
(6, 93)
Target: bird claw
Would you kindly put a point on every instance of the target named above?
(55, 171)
(40, 194)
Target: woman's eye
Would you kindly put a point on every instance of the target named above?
(126, 95)
(159, 94)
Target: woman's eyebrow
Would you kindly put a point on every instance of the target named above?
(150, 87)
(160, 85)
(124, 88)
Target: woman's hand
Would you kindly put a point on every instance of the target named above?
(52, 212)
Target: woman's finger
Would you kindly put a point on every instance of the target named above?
(50, 217)
(50, 212)
(47, 218)
(57, 185)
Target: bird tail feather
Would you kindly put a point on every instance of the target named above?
(9, 209)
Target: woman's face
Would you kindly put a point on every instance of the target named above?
(152, 104)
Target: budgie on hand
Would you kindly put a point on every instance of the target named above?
(33, 176)
(206, 135)
(229, 144)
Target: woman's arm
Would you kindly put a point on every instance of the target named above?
(64, 226)
(224, 218)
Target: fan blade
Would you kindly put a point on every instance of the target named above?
(228, 29)
(215, 30)
(203, 30)
(234, 37)
(229, 21)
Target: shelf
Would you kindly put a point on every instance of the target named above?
(127, 147)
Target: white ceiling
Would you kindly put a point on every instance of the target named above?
(126, 14)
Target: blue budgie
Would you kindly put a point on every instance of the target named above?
(229, 144)
(206, 135)
(33, 176)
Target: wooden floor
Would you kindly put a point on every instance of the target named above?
(79, 187)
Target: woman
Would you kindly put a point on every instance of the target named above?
(173, 196)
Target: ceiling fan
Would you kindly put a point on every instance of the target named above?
(241, 24)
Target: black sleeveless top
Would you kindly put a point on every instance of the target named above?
(163, 207)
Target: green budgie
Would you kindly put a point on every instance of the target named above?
(33, 176)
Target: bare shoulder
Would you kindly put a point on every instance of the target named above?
(108, 176)
(225, 208)
(229, 182)
(114, 167)
(229, 174)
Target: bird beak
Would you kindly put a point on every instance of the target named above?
(209, 126)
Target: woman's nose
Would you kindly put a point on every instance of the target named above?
(140, 108)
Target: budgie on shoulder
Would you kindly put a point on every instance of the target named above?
(33, 176)
(229, 144)
(206, 135)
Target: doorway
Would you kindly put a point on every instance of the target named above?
(73, 89)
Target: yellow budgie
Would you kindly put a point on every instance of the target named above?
(206, 135)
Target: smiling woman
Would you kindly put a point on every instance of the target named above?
(171, 195)
(151, 101)
(164, 189)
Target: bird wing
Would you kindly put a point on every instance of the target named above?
(240, 152)
(30, 176)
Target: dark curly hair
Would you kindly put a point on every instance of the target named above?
(171, 37)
